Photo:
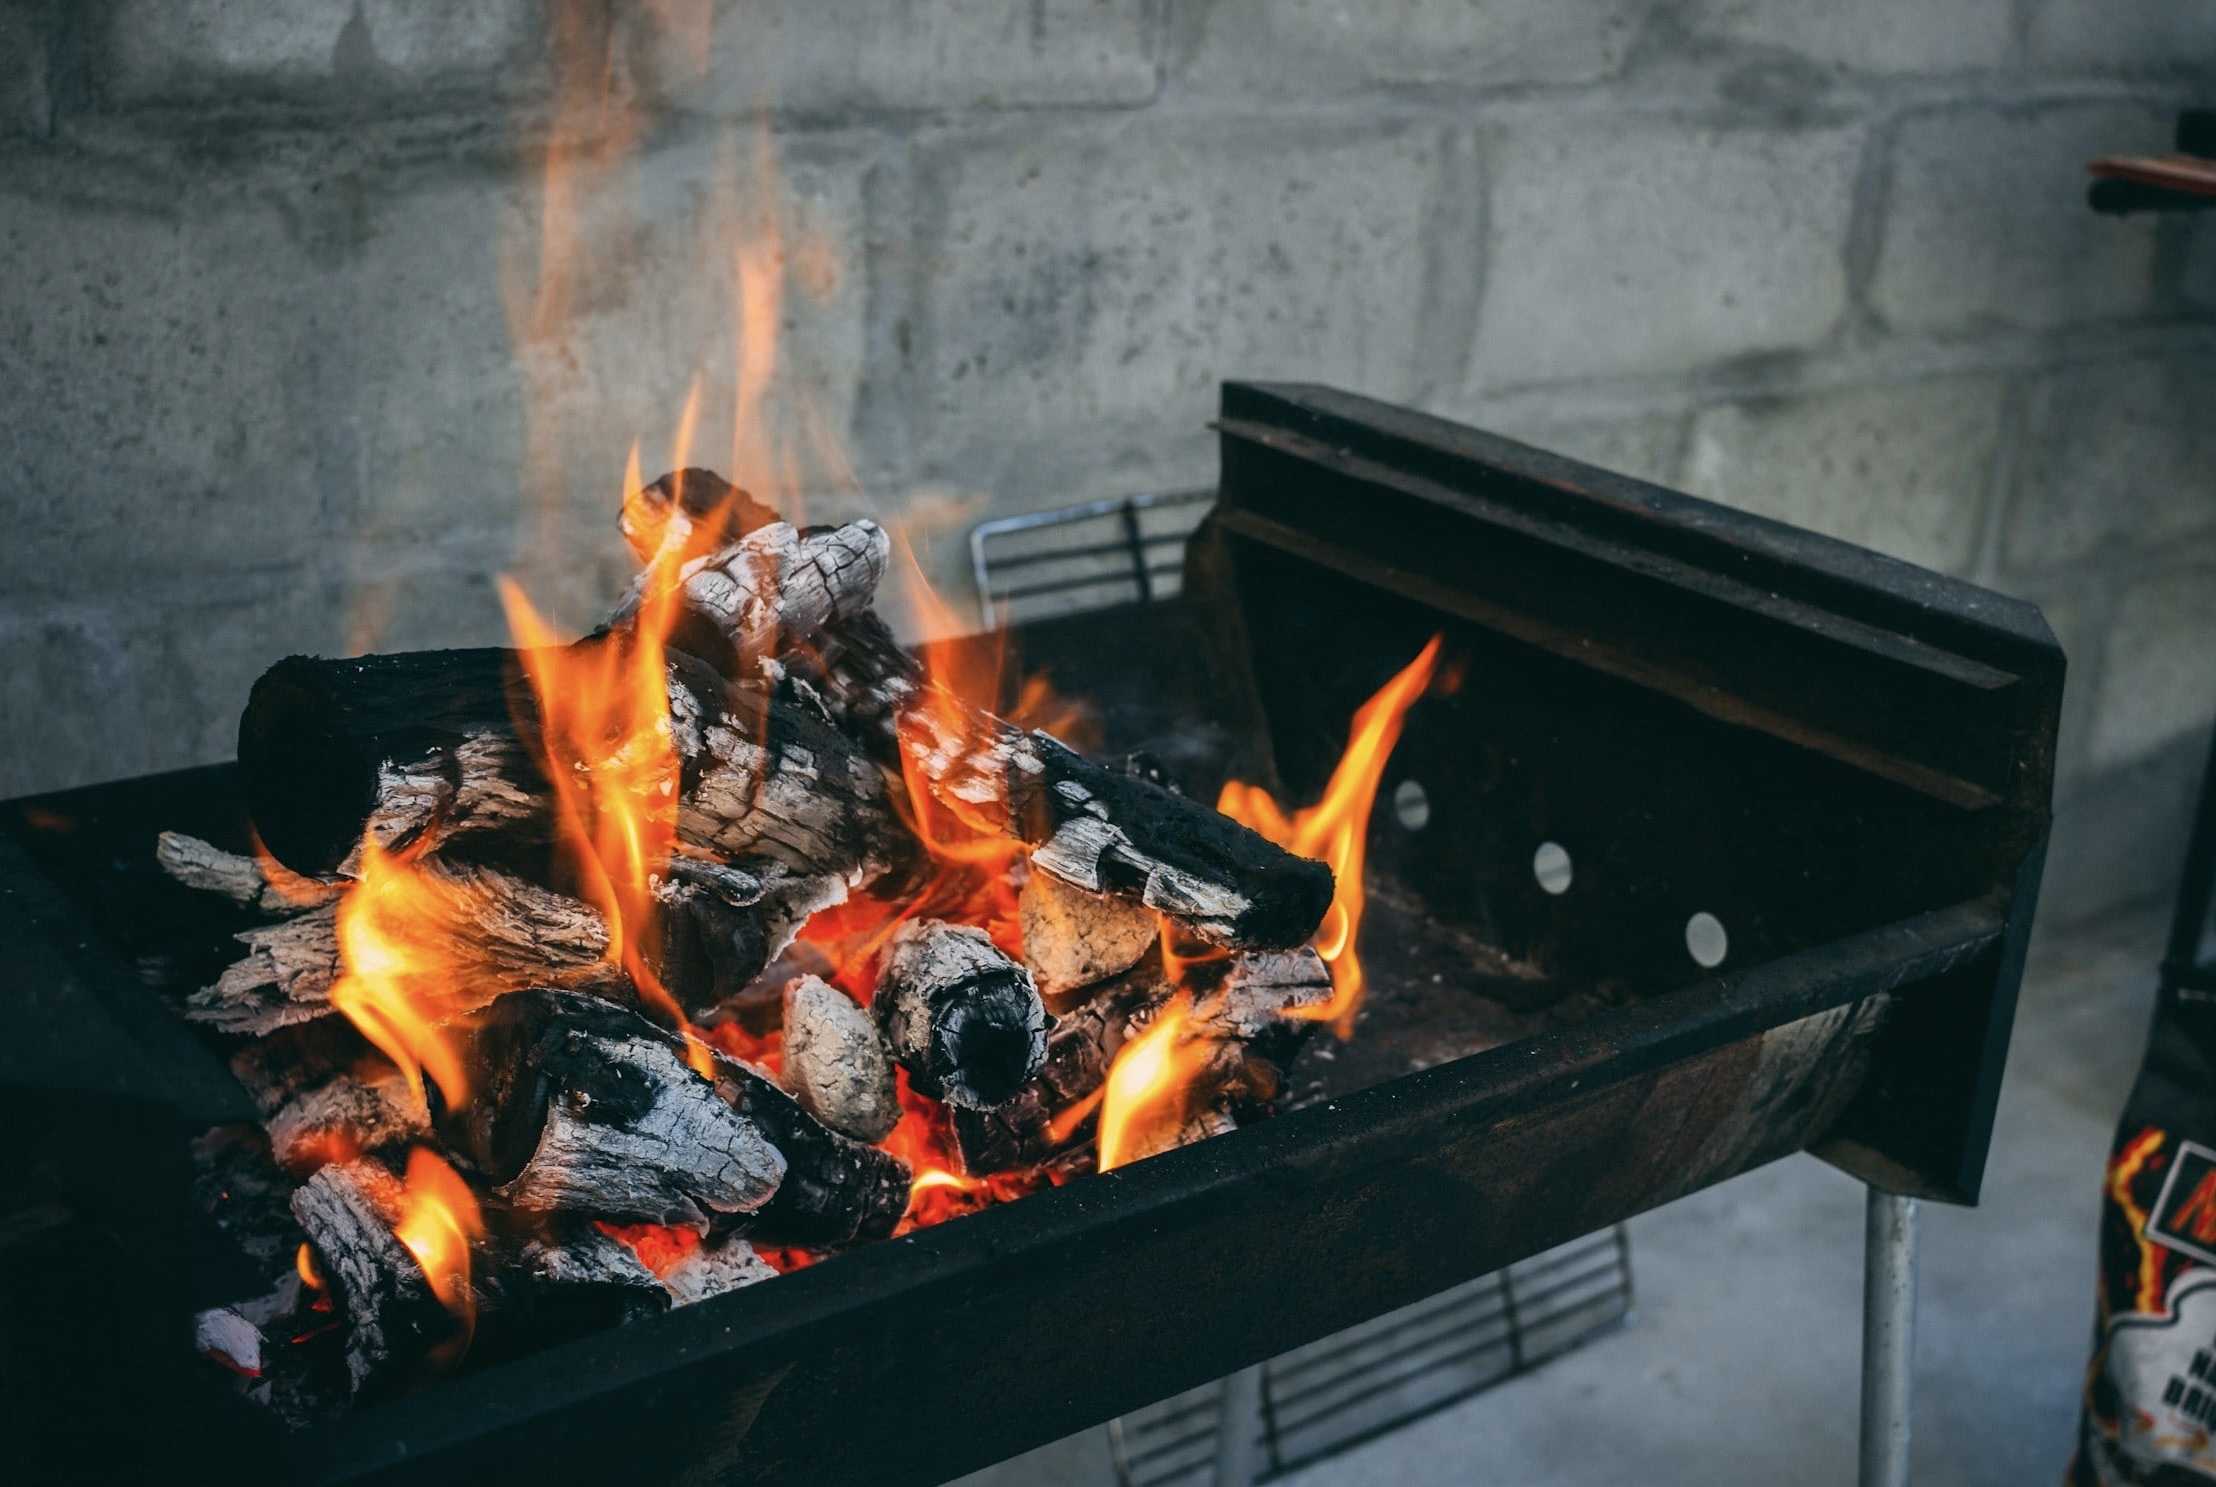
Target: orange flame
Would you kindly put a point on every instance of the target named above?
(438, 1220)
(304, 1263)
(1336, 828)
(399, 967)
(605, 726)
(1149, 1087)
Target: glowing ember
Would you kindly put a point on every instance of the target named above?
(1335, 828)
(438, 1220)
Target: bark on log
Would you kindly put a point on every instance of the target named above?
(835, 1062)
(592, 1109)
(242, 880)
(962, 1018)
(1072, 938)
(504, 933)
(393, 1318)
(439, 745)
(773, 590)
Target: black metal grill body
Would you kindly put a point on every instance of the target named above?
(1845, 761)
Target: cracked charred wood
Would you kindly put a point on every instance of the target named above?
(835, 1062)
(538, 1283)
(1072, 938)
(241, 879)
(688, 512)
(503, 931)
(368, 1108)
(1096, 828)
(722, 925)
(963, 1019)
(333, 749)
(590, 1108)
(714, 1269)
(1260, 1011)
(774, 589)
(394, 1320)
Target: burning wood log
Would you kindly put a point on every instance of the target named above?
(351, 1212)
(593, 1109)
(722, 925)
(507, 933)
(775, 588)
(432, 746)
(835, 1063)
(1098, 829)
(962, 1018)
(1073, 939)
(1247, 1006)
(369, 1108)
(242, 880)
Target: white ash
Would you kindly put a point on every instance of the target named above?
(835, 1064)
(1073, 938)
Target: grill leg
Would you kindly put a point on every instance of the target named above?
(1237, 1427)
(1888, 1337)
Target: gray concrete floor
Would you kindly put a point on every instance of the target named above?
(1741, 1363)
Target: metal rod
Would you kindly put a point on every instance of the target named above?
(1238, 1427)
(1888, 1338)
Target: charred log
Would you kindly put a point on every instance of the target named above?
(686, 513)
(776, 588)
(714, 1269)
(394, 1320)
(1096, 828)
(242, 880)
(592, 1109)
(238, 1186)
(1072, 938)
(359, 1111)
(962, 1018)
(431, 746)
(836, 1064)
(723, 925)
(836, 1189)
(504, 932)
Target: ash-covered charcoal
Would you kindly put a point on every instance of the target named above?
(962, 1018)
(1249, 1005)
(589, 1108)
(541, 1282)
(394, 1320)
(507, 932)
(715, 1269)
(370, 1107)
(242, 880)
(722, 925)
(688, 512)
(279, 1066)
(774, 588)
(1072, 938)
(285, 1354)
(1079, 1050)
(237, 1183)
(835, 1062)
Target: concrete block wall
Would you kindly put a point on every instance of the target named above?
(301, 342)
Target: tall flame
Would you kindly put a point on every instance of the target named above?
(1150, 1084)
(1336, 827)
(438, 1220)
(399, 967)
(604, 724)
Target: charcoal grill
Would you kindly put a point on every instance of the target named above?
(1799, 794)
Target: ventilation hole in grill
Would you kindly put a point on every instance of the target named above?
(1411, 807)
(1706, 941)
(1551, 866)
